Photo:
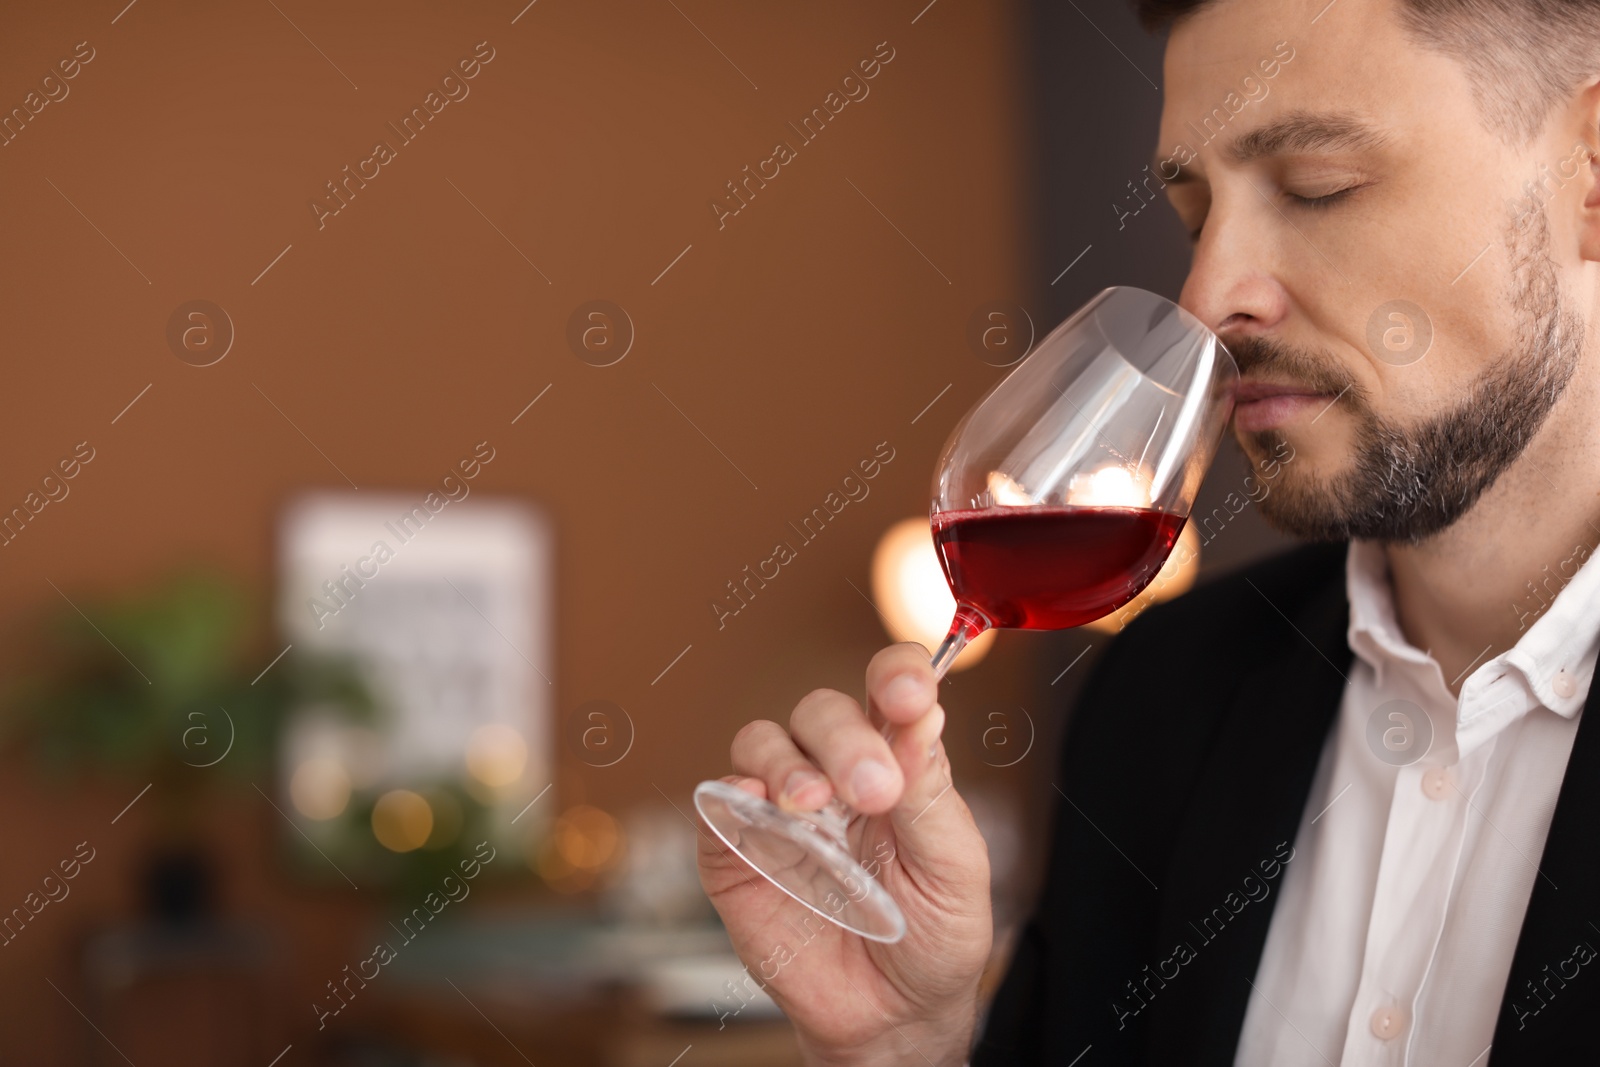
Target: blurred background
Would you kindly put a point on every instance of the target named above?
(403, 404)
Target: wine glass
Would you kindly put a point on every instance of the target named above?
(1056, 500)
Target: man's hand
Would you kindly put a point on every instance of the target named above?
(852, 1000)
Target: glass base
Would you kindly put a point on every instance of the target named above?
(804, 855)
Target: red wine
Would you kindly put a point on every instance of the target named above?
(1048, 568)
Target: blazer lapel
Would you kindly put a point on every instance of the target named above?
(1552, 996)
(1246, 809)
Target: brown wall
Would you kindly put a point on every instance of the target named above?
(406, 329)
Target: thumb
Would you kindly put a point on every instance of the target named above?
(932, 826)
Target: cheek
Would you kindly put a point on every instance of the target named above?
(1424, 251)
(1425, 339)
(1456, 338)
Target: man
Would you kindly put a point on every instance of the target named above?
(1340, 808)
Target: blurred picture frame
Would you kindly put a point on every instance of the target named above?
(445, 606)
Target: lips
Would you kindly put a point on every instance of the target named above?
(1262, 405)
(1250, 391)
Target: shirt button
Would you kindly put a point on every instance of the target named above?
(1437, 784)
(1388, 1022)
(1564, 684)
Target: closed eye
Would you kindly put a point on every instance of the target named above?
(1315, 203)
(1325, 200)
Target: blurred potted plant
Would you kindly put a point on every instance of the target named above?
(165, 686)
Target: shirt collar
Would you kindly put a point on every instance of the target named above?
(1374, 633)
(1564, 639)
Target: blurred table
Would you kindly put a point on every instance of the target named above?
(574, 992)
(139, 978)
(612, 1030)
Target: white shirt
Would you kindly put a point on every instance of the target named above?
(1392, 942)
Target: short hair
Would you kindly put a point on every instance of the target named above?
(1523, 55)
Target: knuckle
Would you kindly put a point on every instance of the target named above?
(752, 734)
(911, 652)
(893, 654)
(896, 660)
(819, 703)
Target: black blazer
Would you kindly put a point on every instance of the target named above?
(1185, 770)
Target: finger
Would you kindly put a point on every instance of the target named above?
(834, 730)
(900, 684)
(714, 857)
(709, 846)
(754, 786)
(764, 750)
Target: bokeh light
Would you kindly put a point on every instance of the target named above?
(496, 755)
(1111, 486)
(402, 820)
(584, 843)
(320, 788)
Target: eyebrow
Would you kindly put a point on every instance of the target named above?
(1298, 131)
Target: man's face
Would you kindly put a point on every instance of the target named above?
(1367, 248)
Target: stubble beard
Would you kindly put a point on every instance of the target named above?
(1409, 482)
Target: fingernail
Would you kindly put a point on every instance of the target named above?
(798, 781)
(870, 780)
(905, 689)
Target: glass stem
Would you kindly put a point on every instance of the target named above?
(968, 624)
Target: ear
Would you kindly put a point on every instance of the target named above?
(1589, 215)
(1583, 163)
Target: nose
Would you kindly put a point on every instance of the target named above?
(1232, 285)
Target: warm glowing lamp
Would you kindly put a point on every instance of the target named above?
(909, 587)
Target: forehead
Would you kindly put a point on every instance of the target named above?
(1351, 57)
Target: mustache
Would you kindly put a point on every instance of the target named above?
(1316, 371)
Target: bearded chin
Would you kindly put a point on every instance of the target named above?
(1408, 482)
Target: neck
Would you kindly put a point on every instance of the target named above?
(1471, 591)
